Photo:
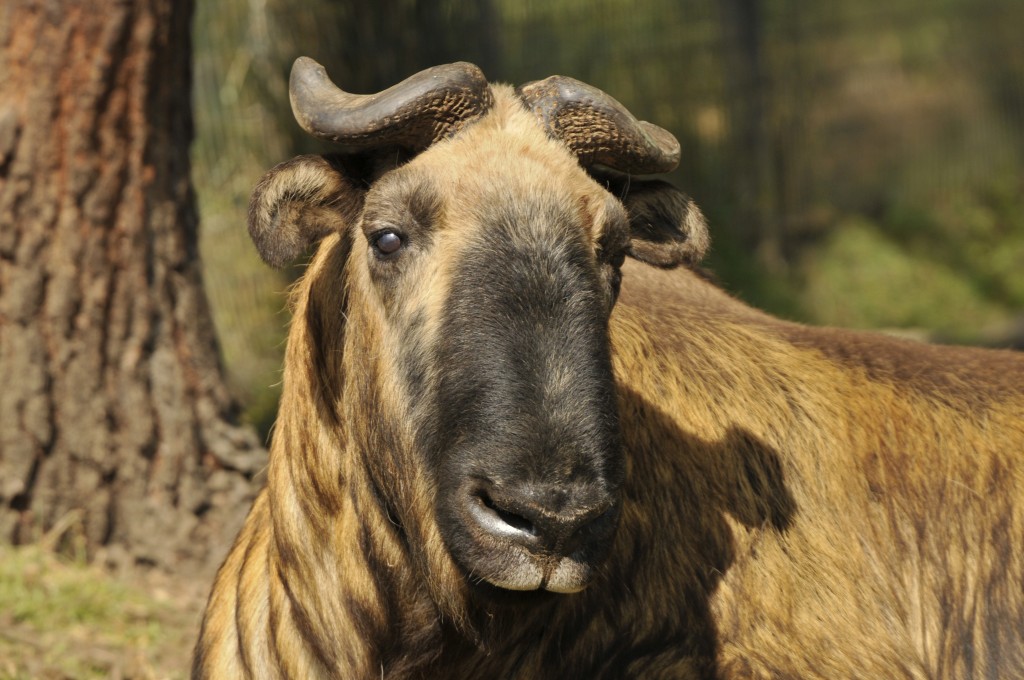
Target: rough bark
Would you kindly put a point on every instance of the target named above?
(112, 399)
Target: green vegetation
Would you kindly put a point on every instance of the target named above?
(64, 619)
(860, 277)
(953, 266)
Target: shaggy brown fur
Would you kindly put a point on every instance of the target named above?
(798, 502)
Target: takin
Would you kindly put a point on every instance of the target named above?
(504, 450)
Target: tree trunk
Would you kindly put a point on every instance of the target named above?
(113, 409)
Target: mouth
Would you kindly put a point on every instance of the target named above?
(511, 599)
(514, 569)
(506, 547)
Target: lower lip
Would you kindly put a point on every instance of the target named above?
(512, 598)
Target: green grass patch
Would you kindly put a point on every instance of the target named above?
(861, 278)
(60, 618)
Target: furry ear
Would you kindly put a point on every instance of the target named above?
(667, 228)
(299, 202)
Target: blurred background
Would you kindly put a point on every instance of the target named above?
(860, 162)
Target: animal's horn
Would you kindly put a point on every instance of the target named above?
(413, 114)
(598, 128)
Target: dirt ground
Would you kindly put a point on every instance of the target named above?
(62, 618)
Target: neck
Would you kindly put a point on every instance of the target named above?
(344, 567)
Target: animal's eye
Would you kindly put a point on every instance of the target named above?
(387, 242)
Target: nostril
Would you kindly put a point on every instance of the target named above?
(515, 521)
(551, 520)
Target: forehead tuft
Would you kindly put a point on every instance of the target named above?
(507, 156)
(508, 140)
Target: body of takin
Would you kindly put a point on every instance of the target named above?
(516, 440)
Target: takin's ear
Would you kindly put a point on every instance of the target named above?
(667, 228)
(298, 203)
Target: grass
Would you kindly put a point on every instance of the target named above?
(861, 278)
(61, 618)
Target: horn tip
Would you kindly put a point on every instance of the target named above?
(666, 143)
(305, 63)
(305, 70)
(306, 78)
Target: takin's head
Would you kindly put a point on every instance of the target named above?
(456, 313)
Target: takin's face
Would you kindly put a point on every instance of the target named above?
(480, 277)
(493, 263)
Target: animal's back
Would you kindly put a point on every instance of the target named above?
(866, 489)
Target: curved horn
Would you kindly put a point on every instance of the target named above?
(416, 112)
(598, 128)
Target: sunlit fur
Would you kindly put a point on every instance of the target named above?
(798, 503)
